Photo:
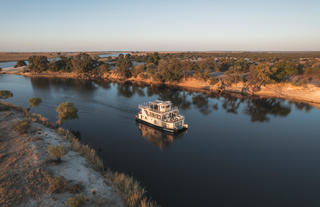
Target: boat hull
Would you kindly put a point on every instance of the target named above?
(161, 128)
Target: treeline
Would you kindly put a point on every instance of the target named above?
(81, 63)
(253, 70)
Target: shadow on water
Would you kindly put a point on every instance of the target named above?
(259, 109)
(157, 137)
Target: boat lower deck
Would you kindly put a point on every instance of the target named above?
(161, 128)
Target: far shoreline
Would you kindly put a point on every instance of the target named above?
(309, 93)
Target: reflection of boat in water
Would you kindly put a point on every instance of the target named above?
(162, 115)
(160, 138)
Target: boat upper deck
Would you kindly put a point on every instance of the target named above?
(159, 107)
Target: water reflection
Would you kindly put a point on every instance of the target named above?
(259, 109)
(157, 137)
(84, 87)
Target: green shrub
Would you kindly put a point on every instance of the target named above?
(77, 200)
(56, 152)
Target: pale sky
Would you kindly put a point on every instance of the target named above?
(176, 25)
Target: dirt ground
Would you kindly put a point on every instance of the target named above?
(26, 168)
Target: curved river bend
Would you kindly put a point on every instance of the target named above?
(237, 152)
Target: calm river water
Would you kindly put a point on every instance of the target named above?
(237, 152)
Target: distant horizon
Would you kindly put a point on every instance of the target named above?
(171, 51)
(148, 25)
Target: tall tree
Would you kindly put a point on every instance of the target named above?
(124, 65)
(38, 63)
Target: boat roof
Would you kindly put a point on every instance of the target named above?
(160, 102)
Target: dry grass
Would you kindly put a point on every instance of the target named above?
(75, 188)
(84, 150)
(22, 126)
(130, 189)
(56, 152)
(77, 201)
(57, 184)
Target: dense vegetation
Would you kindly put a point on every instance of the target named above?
(81, 63)
(252, 69)
(20, 63)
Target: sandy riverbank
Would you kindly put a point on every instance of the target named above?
(27, 170)
(308, 93)
(30, 177)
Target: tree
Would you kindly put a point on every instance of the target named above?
(4, 94)
(283, 70)
(66, 111)
(137, 70)
(169, 70)
(38, 63)
(102, 68)
(33, 102)
(83, 63)
(259, 75)
(56, 152)
(20, 63)
(154, 58)
(62, 64)
(124, 66)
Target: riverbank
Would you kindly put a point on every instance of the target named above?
(30, 177)
(308, 93)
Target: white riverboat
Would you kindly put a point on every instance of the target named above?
(162, 115)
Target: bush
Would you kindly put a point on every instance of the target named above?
(20, 63)
(22, 126)
(4, 94)
(57, 184)
(34, 102)
(56, 152)
(67, 110)
(77, 200)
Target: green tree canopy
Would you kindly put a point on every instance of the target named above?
(38, 63)
(84, 63)
(124, 65)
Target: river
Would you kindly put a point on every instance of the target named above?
(236, 152)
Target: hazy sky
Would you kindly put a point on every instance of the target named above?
(69, 25)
